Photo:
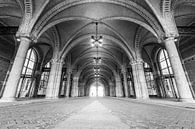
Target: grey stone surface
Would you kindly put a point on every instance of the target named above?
(131, 114)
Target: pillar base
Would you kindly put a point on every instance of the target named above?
(7, 100)
(187, 100)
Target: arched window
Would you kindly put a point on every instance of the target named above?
(44, 79)
(167, 76)
(25, 85)
(150, 80)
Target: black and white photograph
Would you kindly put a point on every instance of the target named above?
(97, 64)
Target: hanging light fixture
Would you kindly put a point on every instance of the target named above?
(96, 40)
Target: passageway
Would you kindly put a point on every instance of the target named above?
(96, 113)
(134, 48)
(91, 63)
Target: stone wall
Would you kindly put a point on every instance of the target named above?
(4, 65)
(190, 68)
(6, 53)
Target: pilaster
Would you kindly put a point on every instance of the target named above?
(179, 74)
(69, 72)
(119, 92)
(140, 86)
(126, 88)
(74, 92)
(54, 79)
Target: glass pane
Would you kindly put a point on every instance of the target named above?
(23, 70)
(28, 53)
(29, 72)
(163, 64)
(25, 63)
(151, 75)
(47, 65)
(32, 56)
(31, 65)
(165, 52)
(168, 62)
(161, 55)
(146, 65)
(171, 71)
(165, 71)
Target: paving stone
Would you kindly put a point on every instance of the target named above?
(47, 115)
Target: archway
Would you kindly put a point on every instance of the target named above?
(97, 89)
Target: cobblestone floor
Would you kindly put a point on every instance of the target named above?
(48, 114)
(39, 115)
(149, 116)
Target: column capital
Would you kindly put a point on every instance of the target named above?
(123, 70)
(138, 61)
(60, 61)
(171, 37)
(27, 36)
(53, 60)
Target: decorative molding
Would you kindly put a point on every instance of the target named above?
(24, 27)
(166, 6)
(138, 38)
(189, 59)
(56, 37)
(168, 16)
(137, 62)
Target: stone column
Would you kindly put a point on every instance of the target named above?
(74, 92)
(81, 90)
(54, 79)
(14, 76)
(107, 91)
(58, 79)
(125, 83)
(119, 92)
(140, 86)
(131, 89)
(111, 85)
(181, 80)
(68, 83)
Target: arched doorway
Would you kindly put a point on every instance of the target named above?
(96, 90)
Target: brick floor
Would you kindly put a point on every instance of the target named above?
(135, 114)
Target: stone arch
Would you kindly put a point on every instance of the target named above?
(127, 4)
(75, 42)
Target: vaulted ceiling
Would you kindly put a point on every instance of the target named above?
(125, 25)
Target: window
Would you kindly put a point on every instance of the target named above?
(150, 80)
(44, 79)
(167, 74)
(25, 84)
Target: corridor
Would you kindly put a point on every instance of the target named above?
(95, 113)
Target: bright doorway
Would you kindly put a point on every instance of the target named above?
(96, 90)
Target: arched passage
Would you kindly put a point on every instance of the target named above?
(96, 89)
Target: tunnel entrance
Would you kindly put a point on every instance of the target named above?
(96, 90)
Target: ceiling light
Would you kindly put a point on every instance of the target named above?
(96, 40)
(18, 39)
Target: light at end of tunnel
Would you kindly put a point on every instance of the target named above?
(96, 91)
